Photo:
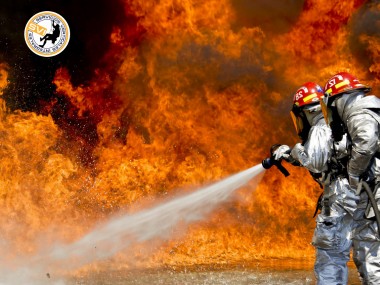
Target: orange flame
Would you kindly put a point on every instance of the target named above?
(188, 97)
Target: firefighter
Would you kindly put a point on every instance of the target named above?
(319, 154)
(347, 109)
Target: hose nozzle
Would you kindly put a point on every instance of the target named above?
(266, 163)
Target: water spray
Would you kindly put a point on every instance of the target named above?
(155, 224)
(269, 162)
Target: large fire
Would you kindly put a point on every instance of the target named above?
(193, 91)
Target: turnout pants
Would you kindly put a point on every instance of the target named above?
(366, 245)
(332, 235)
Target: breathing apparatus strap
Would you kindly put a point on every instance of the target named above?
(326, 194)
(369, 212)
(319, 205)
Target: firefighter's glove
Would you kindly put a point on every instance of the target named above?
(283, 152)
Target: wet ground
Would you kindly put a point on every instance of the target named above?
(274, 272)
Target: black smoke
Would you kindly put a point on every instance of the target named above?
(273, 16)
(31, 76)
(366, 21)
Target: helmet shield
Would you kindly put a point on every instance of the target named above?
(333, 120)
(297, 122)
(301, 122)
(327, 112)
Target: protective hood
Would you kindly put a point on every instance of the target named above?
(318, 119)
(346, 101)
(357, 103)
(313, 114)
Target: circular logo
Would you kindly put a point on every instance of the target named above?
(47, 34)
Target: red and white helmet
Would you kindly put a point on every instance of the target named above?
(308, 93)
(344, 82)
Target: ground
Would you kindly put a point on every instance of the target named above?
(274, 272)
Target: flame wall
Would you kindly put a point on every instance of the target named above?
(189, 92)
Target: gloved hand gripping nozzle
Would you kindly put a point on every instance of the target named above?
(269, 162)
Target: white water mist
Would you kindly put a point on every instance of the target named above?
(124, 231)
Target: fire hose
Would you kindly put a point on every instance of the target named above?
(269, 162)
(372, 200)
